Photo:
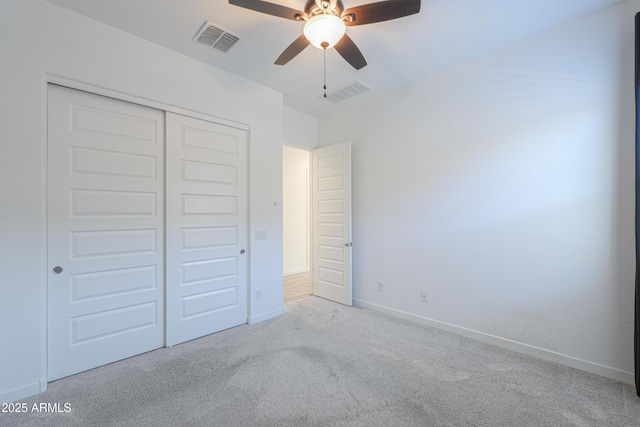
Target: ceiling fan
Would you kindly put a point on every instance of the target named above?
(326, 22)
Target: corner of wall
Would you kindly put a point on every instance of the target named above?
(252, 320)
(526, 349)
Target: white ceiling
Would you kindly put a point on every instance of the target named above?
(445, 33)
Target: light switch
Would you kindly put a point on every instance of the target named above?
(261, 234)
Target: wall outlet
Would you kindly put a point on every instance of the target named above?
(258, 294)
(261, 234)
(380, 287)
(423, 296)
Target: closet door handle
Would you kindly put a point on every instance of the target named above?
(57, 269)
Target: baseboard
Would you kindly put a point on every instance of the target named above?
(298, 271)
(541, 353)
(265, 316)
(16, 394)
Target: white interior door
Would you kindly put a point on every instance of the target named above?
(105, 230)
(332, 222)
(206, 228)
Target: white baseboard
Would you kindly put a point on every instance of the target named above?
(541, 353)
(16, 394)
(265, 316)
(297, 271)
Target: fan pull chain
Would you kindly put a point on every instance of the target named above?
(324, 47)
(325, 73)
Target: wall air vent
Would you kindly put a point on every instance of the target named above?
(215, 36)
(347, 92)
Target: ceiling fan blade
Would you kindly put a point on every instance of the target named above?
(270, 9)
(350, 52)
(294, 49)
(380, 11)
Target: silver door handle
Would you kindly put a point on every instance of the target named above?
(241, 251)
(57, 269)
(348, 244)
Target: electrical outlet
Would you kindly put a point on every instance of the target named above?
(258, 294)
(423, 296)
(380, 287)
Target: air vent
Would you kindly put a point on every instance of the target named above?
(215, 36)
(347, 92)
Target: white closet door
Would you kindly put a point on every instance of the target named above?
(332, 223)
(206, 264)
(105, 230)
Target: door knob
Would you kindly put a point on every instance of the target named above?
(241, 251)
(57, 269)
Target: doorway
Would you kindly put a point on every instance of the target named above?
(317, 223)
(296, 178)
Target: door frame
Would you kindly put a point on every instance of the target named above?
(311, 216)
(52, 79)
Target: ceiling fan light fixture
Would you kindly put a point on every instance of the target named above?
(324, 30)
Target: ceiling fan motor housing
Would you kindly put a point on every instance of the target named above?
(312, 9)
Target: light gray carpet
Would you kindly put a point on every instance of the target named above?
(323, 364)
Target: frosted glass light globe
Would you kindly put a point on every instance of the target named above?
(324, 28)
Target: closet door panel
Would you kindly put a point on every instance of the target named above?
(105, 230)
(206, 264)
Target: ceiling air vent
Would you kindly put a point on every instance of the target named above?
(347, 92)
(215, 36)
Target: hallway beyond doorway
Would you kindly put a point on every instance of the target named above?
(297, 286)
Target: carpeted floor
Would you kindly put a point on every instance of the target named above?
(323, 364)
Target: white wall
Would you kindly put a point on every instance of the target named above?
(296, 199)
(38, 40)
(300, 129)
(505, 189)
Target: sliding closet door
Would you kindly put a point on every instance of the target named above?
(105, 230)
(206, 263)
